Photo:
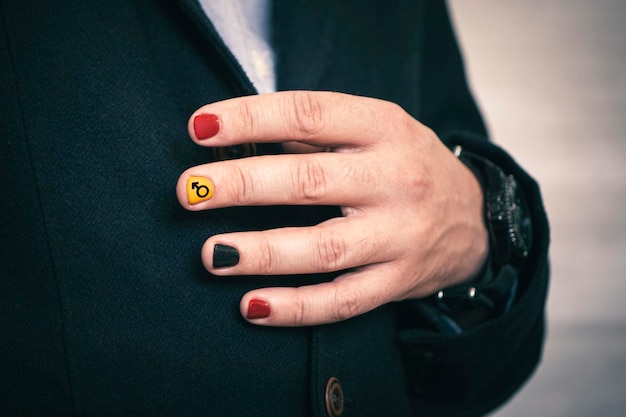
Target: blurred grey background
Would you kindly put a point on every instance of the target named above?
(550, 77)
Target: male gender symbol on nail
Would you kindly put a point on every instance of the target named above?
(199, 189)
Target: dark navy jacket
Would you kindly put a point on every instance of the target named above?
(105, 309)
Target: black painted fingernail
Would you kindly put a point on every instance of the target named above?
(225, 256)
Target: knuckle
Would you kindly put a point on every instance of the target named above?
(248, 116)
(417, 180)
(399, 123)
(268, 258)
(396, 114)
(242, 189)
(308, 113)
(346, 305)
(299, 304)
(397, 110)
(310, 181)
(331, 252)
(363, 175)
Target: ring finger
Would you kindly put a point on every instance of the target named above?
(334, 245)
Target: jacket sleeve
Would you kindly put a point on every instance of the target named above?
(471, 373)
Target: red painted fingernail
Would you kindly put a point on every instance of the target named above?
(206, 126)
(258, 309)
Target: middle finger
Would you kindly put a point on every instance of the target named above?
(334, 245)
(346, 179)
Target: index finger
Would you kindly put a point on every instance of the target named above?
(315, 118)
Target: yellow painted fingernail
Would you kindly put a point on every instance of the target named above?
(199, 189)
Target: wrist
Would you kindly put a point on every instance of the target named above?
(475, 258)
(491, 292)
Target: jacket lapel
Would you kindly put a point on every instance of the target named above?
(193, 10)
(302, 42)
(363, 48)
(300, 38)
(334, 45)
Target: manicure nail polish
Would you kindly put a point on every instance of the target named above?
(258, 309)
(224, 256)
(199, 189)
(206, 126)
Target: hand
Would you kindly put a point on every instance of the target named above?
(412, 213)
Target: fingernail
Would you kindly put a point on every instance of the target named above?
(224, 256)
(258, 309)
(206, 126)
(199, 189)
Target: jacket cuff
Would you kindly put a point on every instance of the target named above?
(473, 372)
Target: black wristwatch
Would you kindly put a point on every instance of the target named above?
(510, 239)
(506, 211)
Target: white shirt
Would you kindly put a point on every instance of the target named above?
(245, 27)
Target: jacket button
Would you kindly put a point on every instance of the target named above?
(234, 152)
(334, 398)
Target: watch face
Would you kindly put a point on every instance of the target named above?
(507, 214)
(509, 221)
(519, 230)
